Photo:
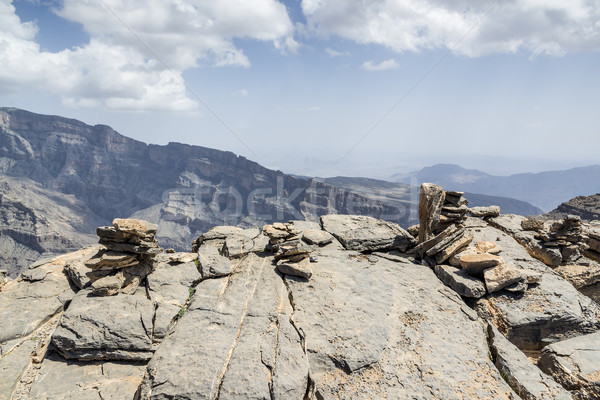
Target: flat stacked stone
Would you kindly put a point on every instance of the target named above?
(292, 250)
(126, 259)
(566, 236)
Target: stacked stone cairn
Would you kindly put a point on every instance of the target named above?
(565, 237)
(445, 245)
(292, 247)
(126, 259)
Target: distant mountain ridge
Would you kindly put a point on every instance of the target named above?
(545, 189)
(407, 196)
(184, 189)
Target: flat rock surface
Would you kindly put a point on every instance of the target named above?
(362, 233)
(58, 379)
(404, 340)
(234, 341)
(106, 328)
(575, 363)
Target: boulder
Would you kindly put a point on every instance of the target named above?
(574, 364)
(106, 328)
(211, 264)
(459, 281)
(362, 233)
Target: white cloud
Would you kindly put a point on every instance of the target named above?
(138, 49)
(552, 27)
(334, 53)
(241, 93)
(382, 66)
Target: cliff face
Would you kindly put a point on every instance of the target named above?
(184, 189)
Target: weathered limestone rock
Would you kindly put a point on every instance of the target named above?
(462, 283)
(511, 224)
(109, 260)
(416, 351)
(76, 271)
(525, 378)
(135, 227)
(476, 264)
(170, 287)
(532, 224)
(488, 247)
(574, 364)
(431, 199)
(550, 310)
(362, 233)
(211, 264)
(458, 243)
(108, 285)
(74, 380)
(106, 328)
(317, 237)
(24, 306)
(501, 276)
(585, 277)
(234, 341)
(216, 236)
(301, 268)
(490, 211)
(439, 241)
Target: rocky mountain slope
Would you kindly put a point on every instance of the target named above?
(587, 207)
(184, 189)
(350, 307)
(545, 190)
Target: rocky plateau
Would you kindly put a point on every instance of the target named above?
(468, 304)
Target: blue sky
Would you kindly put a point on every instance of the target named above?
(320, 87)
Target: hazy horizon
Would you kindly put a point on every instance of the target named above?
(320, 88)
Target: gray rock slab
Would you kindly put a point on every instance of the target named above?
(58, 379)
(26, 305)
(235, 341)
(362, 233)
(575, 363)
(459, 281)
(212, 264)
(169, 288)
(406, 339)
(301, 268)
(15, 356)
(525, 378)
(317, 237)
(549, 311)
(106, 328)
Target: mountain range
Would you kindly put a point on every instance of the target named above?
(60, 178)
(545, 190)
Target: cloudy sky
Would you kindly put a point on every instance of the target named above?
(320, 87)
